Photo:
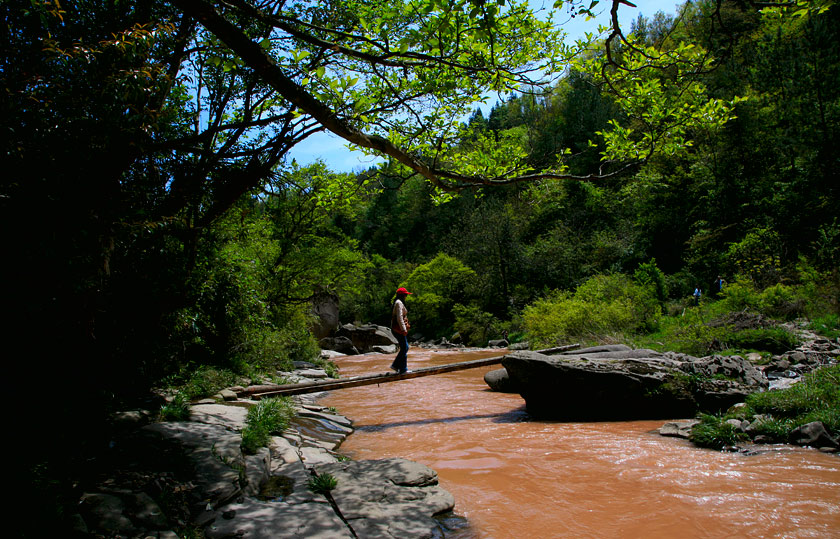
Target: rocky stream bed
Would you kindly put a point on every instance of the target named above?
(191, 479)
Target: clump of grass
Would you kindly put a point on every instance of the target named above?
(827, 326)
(178, 409)
(269, 417)
(815, 398)
(775, 429)
(322, 483)
(715, 433)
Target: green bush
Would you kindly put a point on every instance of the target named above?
(740, 295)
(603, 305)
(775, 429)
(649, 275)
(757, 256)
(206, 381)
(781, 301)
(776, 301)
(269, 417)
(253, 439)
(775, 339)
(475, 326)
(827, 326)
(715, 433)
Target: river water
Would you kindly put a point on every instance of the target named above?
(517, 477)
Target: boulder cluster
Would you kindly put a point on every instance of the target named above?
(174, 475)
(350, 339)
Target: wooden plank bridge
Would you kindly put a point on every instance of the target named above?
(260, 392)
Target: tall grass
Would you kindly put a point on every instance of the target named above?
(815, 398)
(269, 417)
(715, 433)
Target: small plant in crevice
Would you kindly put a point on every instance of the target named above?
(322, 483)
(331, 369)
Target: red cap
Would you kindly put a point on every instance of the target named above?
(402, 291)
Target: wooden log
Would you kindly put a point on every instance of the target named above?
(259, 388)
(381, 378)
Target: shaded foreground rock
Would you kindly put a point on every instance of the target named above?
(623, 383)
(193, 475)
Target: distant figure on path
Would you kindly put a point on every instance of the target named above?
(696, 295)
(719, 285)
(400, 327)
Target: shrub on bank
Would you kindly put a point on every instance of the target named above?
(475, 326)
(603, 305)
(206, 381)
(775, 340)
(827, 326)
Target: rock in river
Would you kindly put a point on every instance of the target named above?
(629, 384)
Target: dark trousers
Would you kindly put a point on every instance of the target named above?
(401, 361)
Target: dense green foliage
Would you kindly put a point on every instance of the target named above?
(605, 305)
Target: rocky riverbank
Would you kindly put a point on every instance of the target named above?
(170, 479)
(616, 382)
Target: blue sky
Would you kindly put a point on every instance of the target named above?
(334, 152)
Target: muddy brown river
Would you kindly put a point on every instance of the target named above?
(517, 477)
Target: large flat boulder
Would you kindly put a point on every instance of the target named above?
(629, 384)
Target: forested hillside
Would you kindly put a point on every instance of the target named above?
(754, 201)
(156, 231)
